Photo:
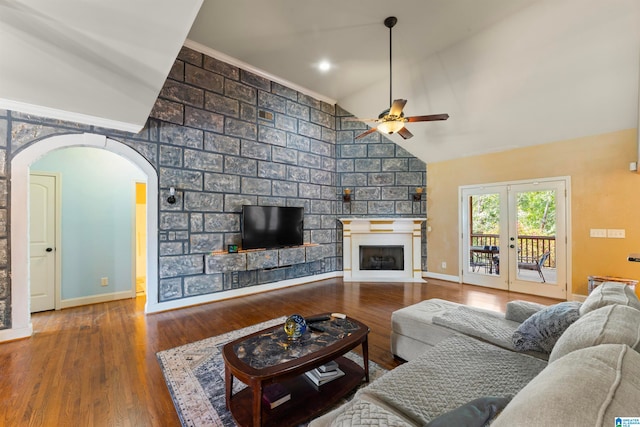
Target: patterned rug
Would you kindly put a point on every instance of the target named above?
(195, 377)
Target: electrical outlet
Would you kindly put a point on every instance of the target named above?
(104, 281)
(444, 265)
(598, 232)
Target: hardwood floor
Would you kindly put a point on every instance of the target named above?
(96, 366)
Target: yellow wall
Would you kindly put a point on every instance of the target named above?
(141, 236)
(604, 194)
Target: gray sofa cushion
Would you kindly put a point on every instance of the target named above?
(454, 372)
(519, 311)
(416, 321)
(613, 324)
(587, 387)
(541, 331)
(364, 412)
(487, 326)
(610, 293)
(476, 413)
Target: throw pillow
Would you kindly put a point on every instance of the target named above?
(589, 387)
(610, 293)
(613, 324)
(476, 413)
(519, 311)
(541, 331)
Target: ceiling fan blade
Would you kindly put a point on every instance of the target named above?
(404, 132)
(357, 119)
(396, 107)
(366, 133)
(428, 118)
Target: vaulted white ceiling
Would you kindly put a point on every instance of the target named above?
(95, 62)
(510, 73)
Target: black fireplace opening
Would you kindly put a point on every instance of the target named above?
(381, 257)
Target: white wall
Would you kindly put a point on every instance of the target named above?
(97, 200)
(554, 71)
(58, 58)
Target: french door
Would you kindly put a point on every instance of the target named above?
(514, 236)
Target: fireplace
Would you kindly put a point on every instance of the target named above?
(381, 257)
(381, 249)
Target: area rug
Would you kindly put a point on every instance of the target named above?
(195, 377)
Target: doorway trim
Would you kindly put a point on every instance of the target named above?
(21, 326)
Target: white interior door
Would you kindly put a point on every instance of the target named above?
(514, 236)
(42, 237)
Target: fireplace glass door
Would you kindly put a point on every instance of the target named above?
(381, 258)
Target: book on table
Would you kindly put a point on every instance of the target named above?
(275, 395)
(320, 378)
(328, 367)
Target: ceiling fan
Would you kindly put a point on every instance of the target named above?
(392, 120)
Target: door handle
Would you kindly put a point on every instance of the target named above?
(512, 246)
(49, 249)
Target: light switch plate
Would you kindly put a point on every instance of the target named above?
(598, 232)
(614, 233)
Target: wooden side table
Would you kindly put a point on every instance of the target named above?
(594, 281)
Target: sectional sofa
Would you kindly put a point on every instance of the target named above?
(568, 364)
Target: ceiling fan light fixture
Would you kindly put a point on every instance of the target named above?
(392, 120)
(390, 126)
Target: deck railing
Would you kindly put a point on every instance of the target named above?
(529, 247)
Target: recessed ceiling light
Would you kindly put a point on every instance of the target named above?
(324, 66)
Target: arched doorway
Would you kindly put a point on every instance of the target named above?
(20, 166)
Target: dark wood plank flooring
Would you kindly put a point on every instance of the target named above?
(96, 365)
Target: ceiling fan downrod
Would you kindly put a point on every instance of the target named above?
(390, 22)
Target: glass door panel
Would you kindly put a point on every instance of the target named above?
(484, 221)
(536, 242)
(538, 264)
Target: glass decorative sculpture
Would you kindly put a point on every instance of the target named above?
(295, 326)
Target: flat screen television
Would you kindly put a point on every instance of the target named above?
(271, 226)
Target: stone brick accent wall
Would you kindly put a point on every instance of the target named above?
(5, 286)
(229, 137)
(224, 137)
(381, 175)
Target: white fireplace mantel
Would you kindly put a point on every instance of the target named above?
(397, 231)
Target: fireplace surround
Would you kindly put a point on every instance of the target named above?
(397, 257)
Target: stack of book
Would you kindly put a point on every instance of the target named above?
(275, 395)
(325, 373)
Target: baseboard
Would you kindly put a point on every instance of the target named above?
(439, 276)
(95, 299)
(15, 334)
(233, 293)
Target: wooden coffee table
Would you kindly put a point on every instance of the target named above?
(268, 356)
